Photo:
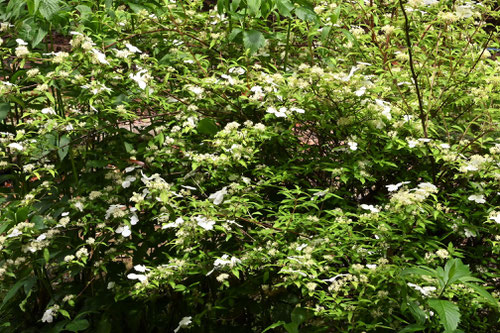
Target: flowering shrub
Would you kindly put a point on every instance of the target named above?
(262, 165)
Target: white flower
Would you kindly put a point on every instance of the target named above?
(134, 219)
(129, 169)
(140, 78)
(196, 90)
(352, 145)
(395, 187)
(445, 146)
(237, 70)
(175, 224)
(360, 92)
(141, 268)
(298, 110)
(185, 322)
(115, 211)
(204, 222)
(100, 57)
(19, 41)
(16, 146)
(14, 233)
(495, 216)
(371, 208)
(48, 316)
(280, 114)
(412, 143)
(132, 48)
(128, 180)
(223, 262)
(218, 197)
(430, 2)
(140, 277)
(478, 198)
(124, 231)
(371, 266)
(386, 108)
(425, 291)
(48, 111)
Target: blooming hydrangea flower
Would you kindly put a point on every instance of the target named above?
(185, 322)
(140, 78)
(124, 230)
(395, 187)
(99, 57)
(132, 48)
(495, 216)
(49, 314)
(280, 114)
(205, 223)
(223, 262)
(371, 208)
(218, 197)
(477, 198)
(48, 111)
(140, 277)
(16, 146)
(425, 291)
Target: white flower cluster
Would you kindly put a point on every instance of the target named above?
(409, 197)
(224, 261)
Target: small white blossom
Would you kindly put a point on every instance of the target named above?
(184, 323)
(371, 208)
(204, 222)
(141, 268)
(124, 231)
(352, 145)
(477, 198)
(132, 48)
(48, 111)
(16, 146)
(140, 277)
(218, 197)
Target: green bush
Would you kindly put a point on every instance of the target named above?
(255, 165)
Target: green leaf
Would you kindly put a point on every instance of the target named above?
(128, 147)
(270, 327)
(254, 6)
(4, 110)
(285, 7)
(253, 40)
(46, 255)
(449, 314)
(13, 290)
(48, 8)
(234, 33)
(417, 312)
(306, 14)
(207, 126)
(455, 270)
(291, 327)
(77, 325)
(40, 34)
(483, 293)
(63, 147)
(300, 315)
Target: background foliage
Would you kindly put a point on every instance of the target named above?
(264, 165)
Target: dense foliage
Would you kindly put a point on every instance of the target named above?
(258, 165)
